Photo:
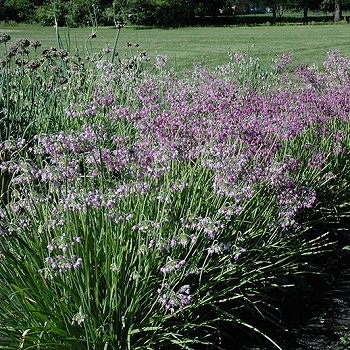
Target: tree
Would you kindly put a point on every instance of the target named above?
(18, 10)
(237, 7)
(336, 7)
(310, 5)
(305, 6)
(211, 8)
(2, 11)
(155, 12)
(175, 12)
(141, 12)
(72, 13)
(337, 11)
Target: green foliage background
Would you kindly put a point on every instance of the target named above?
(165, 13)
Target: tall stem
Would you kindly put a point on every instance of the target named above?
(115, 45)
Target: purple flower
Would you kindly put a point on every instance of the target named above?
(172, 265)
(174, 301)
(60, 260)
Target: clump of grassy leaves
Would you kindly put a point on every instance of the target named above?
(145, 210)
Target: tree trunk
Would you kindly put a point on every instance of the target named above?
(337, 12)
(305, 9)
(273, 6)
(274, 14)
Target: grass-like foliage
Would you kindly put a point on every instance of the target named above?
(145, 210)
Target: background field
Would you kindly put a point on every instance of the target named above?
(208, 45)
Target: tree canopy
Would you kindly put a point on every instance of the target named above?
(155, 12)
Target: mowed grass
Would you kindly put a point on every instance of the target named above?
(206, 45)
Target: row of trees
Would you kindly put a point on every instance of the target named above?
(152, 12)
(67, 12)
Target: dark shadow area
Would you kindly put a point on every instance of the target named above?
(316, 312)
(262, 19)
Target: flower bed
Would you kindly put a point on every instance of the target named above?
(142, 209)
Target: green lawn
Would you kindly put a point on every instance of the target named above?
(206, 45)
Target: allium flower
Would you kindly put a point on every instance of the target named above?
(207, 225)
(34, 43)
(60, 261)
(63, 243)
(22, 43)
(183, 240)
(12, 50)
(161, 61)
(21, 62)
(290, 201)
(317, 160)
(61, 53)
(147, 225)
(4, 230)
(4, 38)
(172, 265)
(56, 70)
(230, 211)
(237, 57)
(281, 62)
(219, 248)
(33, 65)
(114, 267)
(237, 253)
(3, 62)
(79, 317)
(174, 301)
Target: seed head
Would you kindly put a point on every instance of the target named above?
(12, 50)
(3, 62)
(34, 43)
(56, 70)
(22, 43)
(61, 53)
(20, 62)
(4, 38)
(33, 65)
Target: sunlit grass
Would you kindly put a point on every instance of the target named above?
(207, 45)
